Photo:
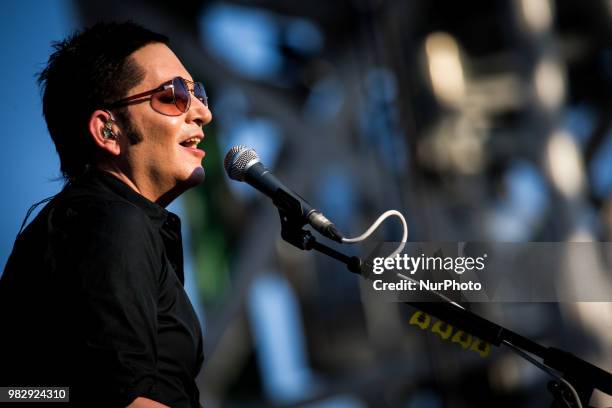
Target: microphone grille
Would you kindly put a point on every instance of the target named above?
(237, 161)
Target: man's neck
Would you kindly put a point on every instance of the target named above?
(143, 189)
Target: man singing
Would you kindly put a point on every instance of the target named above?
(92, 295)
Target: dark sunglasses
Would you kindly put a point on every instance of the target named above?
(172, 98)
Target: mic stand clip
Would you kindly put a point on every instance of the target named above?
(292, 231)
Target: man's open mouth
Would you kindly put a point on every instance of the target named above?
(191, 142)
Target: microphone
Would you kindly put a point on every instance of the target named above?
(243, 164)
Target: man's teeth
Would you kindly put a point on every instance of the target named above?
(191, 142)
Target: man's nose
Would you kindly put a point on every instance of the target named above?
(198, 112)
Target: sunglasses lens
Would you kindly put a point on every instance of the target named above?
(200, 93)
(163, 102)
(176, 99)
(181, 94)
(172, 101)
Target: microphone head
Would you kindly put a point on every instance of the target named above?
(238, 160)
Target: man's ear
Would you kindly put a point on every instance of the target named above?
(104, 131)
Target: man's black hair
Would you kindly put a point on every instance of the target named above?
(87, 71)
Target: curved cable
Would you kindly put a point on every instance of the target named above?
(31, 210)
(545, 368)
(375, 225)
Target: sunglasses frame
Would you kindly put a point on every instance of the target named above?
(166, 85)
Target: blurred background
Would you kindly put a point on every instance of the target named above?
(480, 121)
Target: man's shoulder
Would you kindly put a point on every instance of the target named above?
(89, 208)
(98, 210)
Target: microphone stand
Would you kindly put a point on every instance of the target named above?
(583, 376)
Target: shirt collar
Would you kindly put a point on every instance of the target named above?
(158, 214)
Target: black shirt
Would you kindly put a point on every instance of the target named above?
(92, 297)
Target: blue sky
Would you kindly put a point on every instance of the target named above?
(28, 162)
